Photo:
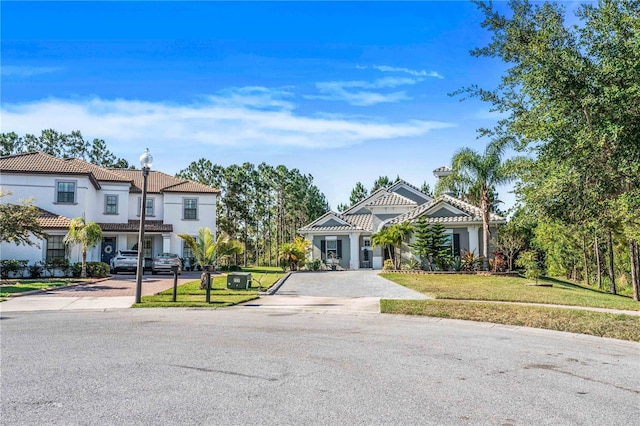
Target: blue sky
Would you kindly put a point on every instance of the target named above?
(344, 91)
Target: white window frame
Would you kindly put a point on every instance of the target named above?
(184, 200)
(106, 203)
(150, 200)
(57, 191)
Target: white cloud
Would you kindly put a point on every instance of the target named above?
(252, 117)
(417, 73)
(338, 91)
(26, 71)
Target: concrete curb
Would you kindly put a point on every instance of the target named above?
(277, 286)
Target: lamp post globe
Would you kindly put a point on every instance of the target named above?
(146, 160)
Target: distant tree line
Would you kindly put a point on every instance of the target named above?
(260, 206)
(62, 145)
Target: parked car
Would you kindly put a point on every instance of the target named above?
(127, 261)
(124, 260)
(164, 262)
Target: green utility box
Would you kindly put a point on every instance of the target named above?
(239, 280)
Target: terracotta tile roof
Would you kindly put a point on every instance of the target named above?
(48, 220)
(41, 163)
(392, 199)
(158, 182)
(134, 226)
(101, 174)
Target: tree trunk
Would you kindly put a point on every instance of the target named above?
(612, 276)
(598, 262)
(83, 272)
(635, 269)
(485, 228)
(585, 259)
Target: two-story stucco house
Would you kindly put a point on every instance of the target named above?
(67, 188)
(346, 236)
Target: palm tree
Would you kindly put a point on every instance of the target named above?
(208, 251)
(398, 233)
(479, 174)
(292, 254)
(384, 239)
(87, 235)
(203, 247)
(226, 247)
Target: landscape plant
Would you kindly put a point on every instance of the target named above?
(293, 254)
(86, 235)
(532, 268)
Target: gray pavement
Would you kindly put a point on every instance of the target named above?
(365, 283)
(344, 291)
(262, 367)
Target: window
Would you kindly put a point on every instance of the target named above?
(366, 242)
(147, 248)
(55, 247)
(453, 241)
(186, 250)
(149, 210)
(190, 208)
(110, 204)
(65, 191)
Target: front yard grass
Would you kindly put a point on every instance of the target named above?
(23, 286)
(510, 289)
(468, 297)
(616, 326)
(190, 295)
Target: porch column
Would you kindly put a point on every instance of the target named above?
(354, 244)
(473, 239)
(166, 244)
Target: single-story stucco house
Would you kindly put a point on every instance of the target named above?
(346, 236)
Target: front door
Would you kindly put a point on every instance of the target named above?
(108, 249)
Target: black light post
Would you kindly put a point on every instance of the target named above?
(146, 160)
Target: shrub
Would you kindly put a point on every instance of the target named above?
(12, 266)
(94, 269)
(35, 270)
(529, 260)
(412, 264)
(314, 265)
(57, 264)
(388, 265)
(456, 264)
(469, 260)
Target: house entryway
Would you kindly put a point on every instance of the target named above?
(108, 249)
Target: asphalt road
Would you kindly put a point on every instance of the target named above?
(244, 366)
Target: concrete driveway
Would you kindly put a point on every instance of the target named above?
(346, 291)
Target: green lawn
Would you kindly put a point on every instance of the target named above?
(510, 289)
(191, 295)
(474, 291)
(22, 286)
(626, 327)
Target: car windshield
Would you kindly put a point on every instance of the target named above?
(129, 253)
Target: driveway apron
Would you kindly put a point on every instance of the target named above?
(344, 291)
